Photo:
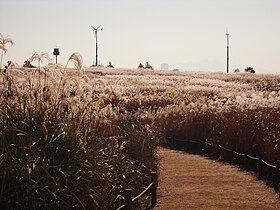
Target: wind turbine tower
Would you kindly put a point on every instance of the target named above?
(96, 43)
(227, 34)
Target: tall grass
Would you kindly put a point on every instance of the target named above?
(84, 136)
(254, 132)
(77, 151)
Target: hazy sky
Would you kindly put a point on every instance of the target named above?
(186, 34)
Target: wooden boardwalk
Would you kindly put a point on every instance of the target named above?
(189, 181)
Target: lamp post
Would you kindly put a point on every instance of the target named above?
(96, 43)
(227, 34)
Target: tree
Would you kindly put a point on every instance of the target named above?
(3, 42)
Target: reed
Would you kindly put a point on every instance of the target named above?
(3, 45)
(75, 151)
(88, 133)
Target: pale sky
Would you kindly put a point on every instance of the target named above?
(186, 34)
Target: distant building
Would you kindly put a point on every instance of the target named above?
(164, 66)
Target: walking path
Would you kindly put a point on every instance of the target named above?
(189, 181)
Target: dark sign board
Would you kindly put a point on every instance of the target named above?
(56, 51)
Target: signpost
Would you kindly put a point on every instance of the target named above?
(56, 53)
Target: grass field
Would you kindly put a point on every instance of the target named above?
(76, 138)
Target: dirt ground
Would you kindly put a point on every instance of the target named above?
(189, 181)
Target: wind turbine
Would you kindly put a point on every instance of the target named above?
(99, 28)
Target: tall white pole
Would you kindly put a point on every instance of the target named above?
(227, 34)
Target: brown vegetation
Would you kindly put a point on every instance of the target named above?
(80, 136)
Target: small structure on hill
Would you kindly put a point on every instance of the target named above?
(148, 66)
(110, 65)
(140, 66)
(249, 70)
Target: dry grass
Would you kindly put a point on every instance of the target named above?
(68, 145)
(82, 135)
(193, 182)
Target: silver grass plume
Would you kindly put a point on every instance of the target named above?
(3, 42)
(76, 59)
(39, 57)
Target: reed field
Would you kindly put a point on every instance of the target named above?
(75, 138)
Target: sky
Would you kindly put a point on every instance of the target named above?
(186, 34)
